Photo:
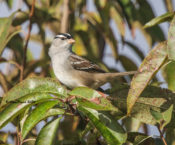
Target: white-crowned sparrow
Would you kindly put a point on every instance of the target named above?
(73, 70)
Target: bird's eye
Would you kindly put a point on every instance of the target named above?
(62, 38)
(68, 37)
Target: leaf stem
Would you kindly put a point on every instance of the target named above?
(161, 135)
(27, 40)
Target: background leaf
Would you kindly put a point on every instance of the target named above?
(147, 70)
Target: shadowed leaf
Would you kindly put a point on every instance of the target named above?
(152, 97)
(111, 130)
(14, 108)
(140, 139)
(127, 63)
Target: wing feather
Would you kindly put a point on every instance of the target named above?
(83, 64)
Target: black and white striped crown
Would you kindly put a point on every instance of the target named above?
(63, 36)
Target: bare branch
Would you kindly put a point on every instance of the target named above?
(65, 17)
(27, 40)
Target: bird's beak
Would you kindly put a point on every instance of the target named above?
(71, 41)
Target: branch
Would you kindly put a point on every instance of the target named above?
(27, 40)
(64, 20)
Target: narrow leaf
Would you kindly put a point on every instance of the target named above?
(147, 70)
(118, 20)
(167, 115)
(171, 40)
(169, 75)
(163, 18)
(48, 133)
(38, 114)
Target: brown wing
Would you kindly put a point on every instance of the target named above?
(82, 64)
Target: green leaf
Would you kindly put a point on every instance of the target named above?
(92, 99)
(152, 97)
(111, 130)
(169, 75)
(128, 11)
(150, 65)
(34, 85)
(39, 113)
(5, 33)
(10, 3)
(163, 18)
(163, 118)
(85, 92)
(14, 108)
(140, 139)
(171, 40)
(48, 133)
(157, 115)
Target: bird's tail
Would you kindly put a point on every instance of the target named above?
(120, 74)
(107, 77)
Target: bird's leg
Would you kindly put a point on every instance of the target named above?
(102, 94)
(97, 100)
(70, 98)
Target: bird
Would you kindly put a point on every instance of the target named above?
(75, 71)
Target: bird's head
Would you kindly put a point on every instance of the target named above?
(62, 42)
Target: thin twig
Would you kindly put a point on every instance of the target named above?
(30, 139)
(27, 40)
(18, 136)
(161, 135)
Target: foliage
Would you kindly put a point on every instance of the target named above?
(83, 115)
